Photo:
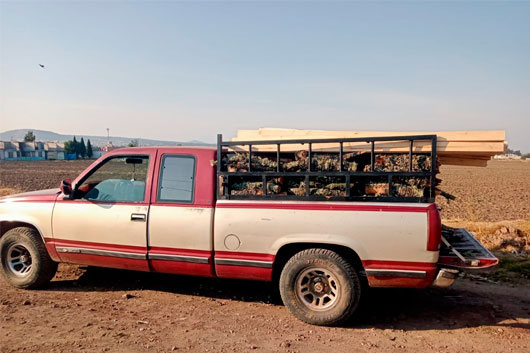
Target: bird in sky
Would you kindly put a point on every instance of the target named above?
(41, 66)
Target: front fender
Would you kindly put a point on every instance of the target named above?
(34, 214)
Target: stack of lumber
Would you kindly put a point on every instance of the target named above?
(469, 148)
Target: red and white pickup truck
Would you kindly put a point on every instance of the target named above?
(155, 209)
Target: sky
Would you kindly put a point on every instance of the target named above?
(188, 70)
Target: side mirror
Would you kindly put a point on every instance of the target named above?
(66, 186)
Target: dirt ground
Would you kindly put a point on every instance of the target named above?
(499, 192)
(104, 310)
(37, 175)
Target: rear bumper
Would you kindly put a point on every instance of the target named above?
(445, 277)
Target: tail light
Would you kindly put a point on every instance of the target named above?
(434, 228)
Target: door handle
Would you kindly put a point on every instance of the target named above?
(138, 217)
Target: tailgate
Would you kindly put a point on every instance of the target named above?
(460, 249)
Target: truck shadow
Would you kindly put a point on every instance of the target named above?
(467, 304)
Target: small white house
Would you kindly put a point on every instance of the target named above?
(9, 150)
(507, 156)
(54, 150)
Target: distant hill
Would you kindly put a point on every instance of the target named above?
(43, 135)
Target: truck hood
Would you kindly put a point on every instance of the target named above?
(48, 195)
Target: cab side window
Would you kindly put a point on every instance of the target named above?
(118, 179)
(176, 183)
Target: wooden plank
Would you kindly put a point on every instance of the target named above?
(273, 133)
(473, 135)
(471, 162)
(477, 148)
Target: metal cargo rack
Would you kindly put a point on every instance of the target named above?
(224, 176)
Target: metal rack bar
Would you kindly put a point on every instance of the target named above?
(372, 155)
(434, 167)
(336, 173)
(410, 155)
(329, 140)
(348, 185)
(278, 158)
(250, 157)
(341, 151)
(333, 198)
(310, 157)
(219, 152)
(347, 175)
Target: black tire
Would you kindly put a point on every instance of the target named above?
(24, 260)
(333, 301)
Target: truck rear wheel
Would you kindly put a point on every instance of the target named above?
(24, 260)
(320, 287)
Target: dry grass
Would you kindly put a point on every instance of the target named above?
(8, 191)
(509, 241)
(481, 229)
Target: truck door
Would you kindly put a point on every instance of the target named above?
(105, 221)
(181, 213)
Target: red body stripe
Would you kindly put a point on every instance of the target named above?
(399, 265)
(98, 246)
(243, 256)
(183, 252)
(228, 271)
(324, 207)
(244, 272)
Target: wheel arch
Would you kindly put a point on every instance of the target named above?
(6, 226)
(285, 252)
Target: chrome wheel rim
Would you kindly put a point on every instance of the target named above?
(19, 260)
(317, 288)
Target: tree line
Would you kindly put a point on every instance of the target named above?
(79, 148)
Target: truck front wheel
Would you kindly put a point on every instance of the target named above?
(24, 259)
(320, 287)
